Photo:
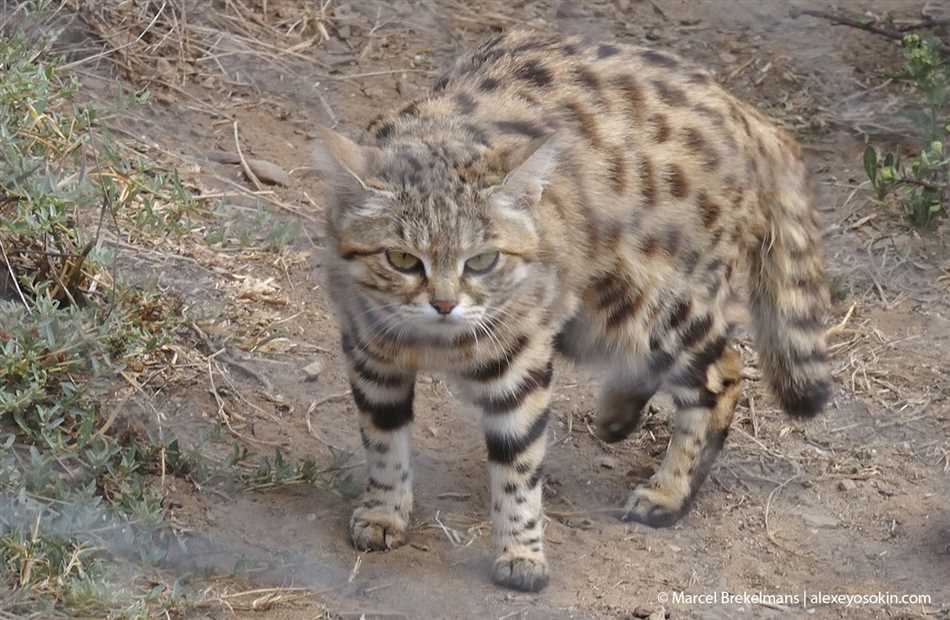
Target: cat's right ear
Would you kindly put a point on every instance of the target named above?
(343, 164)
(530, 170)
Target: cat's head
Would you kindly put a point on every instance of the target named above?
(427, 248)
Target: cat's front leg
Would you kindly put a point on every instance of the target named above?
(383, 396)
(513, 393)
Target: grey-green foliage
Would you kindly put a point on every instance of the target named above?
(77, 495)
(919, 181)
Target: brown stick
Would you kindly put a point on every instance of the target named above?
(843, 20)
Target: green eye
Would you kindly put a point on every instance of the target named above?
(483, 263)
(403, 261)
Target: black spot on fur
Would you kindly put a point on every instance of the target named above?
(385, 416)
(535, 477)
(384, 131)
(708, 209)
(670, 95)
(658, 59)
(589, 81)
(617, 170)
(379, 447)
(505, 449)
(539, 378)
(465, 102)
(696, 331)
(680, 313)
(679, 184)
(373, 483)
(535, 73)
(698, 143)
(693, 374)
(495, 369)
(660, 361)
(587, 122)
(631, 94)
(478, 134)
(662, 126)
(647, 183)
(606, 51)
(625, 311)
(371, 375)
(698, 77)
(488, 85)
(525, 128)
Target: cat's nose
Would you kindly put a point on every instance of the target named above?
(443, 307)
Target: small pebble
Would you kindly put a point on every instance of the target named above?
(847, 485)
(269, 173)
(607, 462)
(313, 370)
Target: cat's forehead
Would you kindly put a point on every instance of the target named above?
(440, 219)
(432, 167)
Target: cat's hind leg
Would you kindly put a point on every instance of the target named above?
(705, 385)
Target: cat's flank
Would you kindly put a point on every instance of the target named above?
(593, 199)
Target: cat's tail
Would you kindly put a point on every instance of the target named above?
(789, 296)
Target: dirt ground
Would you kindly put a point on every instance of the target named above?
(854, 502)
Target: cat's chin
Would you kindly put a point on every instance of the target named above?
(442, 327)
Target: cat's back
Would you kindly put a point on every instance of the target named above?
(528, 83)
(659, 148)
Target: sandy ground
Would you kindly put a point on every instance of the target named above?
(854, 502)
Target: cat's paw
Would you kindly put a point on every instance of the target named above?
(619, 415)
(374, 530)
(526, 574)
(655, 506)
(612, 430)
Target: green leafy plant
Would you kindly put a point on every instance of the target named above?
(919, 182)
(78, 491)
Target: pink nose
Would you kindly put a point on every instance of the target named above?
(443, 307)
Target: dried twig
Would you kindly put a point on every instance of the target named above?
(843, 20)
(840, 327)
(102, 54)
(244, 165)
(222, 414)
(16, 284)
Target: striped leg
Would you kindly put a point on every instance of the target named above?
(514, 394)
(383, 396)
(705, 388)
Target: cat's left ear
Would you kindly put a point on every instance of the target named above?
(344, 164)
(530, 171)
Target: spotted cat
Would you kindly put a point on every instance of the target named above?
(551, 194)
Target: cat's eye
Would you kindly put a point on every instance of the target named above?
(483, 263)
(403, 261)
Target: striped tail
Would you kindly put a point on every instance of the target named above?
(789, 296)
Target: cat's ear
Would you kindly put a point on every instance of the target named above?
(342, 163)
(530, 169)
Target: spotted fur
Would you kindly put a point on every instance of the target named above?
(623, 190)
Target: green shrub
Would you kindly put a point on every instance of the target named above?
(919, 183)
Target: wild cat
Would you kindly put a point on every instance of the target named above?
(593, 199)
